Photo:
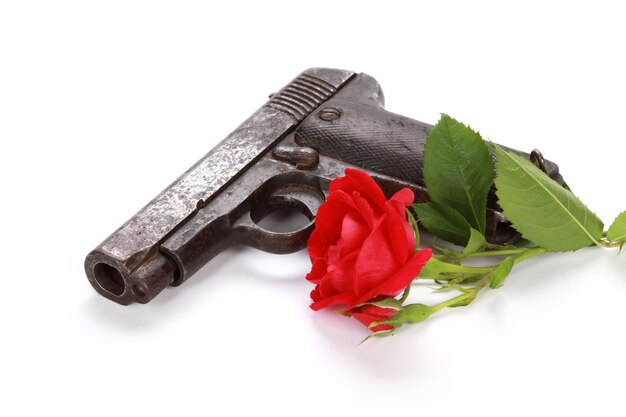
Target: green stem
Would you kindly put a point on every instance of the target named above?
(497, 252)
(405, 294)
(498, 246)
(436, 267)
(606, 244)
(470, 294)
(529, 253)
(522, 255)
(452, 301)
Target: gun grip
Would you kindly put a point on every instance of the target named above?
(367, 136)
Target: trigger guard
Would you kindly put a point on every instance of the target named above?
(303, 199)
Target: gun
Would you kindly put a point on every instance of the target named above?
(283, 156)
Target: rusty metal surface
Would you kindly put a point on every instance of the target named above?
(284, 155)
(139, 238)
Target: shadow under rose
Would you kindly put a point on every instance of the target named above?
(405, 354)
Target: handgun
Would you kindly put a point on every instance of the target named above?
(283, 156)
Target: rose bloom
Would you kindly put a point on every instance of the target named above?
(362, 247)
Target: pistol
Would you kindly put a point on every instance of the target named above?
(283, 156)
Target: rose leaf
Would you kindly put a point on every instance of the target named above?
(475, 243)
(458, 169)
(540, 209)
(617, 231)
(444, 222)
(501, 272)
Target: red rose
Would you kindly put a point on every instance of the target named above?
(368, 314)
(362, 247)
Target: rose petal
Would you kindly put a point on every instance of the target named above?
(403, 245)
(405, 196)
(317, 245)
(376, 261)
(353, 231)
(398, 206)
(318, 270)
(365, 210)
(338, 299)
(328, 224)
(333, 255)
(356, 180)
(339, 276)
(399, 281)
(381, 327)
(368, 314)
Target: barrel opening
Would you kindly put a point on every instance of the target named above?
(109, 278)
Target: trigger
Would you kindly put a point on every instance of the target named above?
(300, 198)
(303, 199)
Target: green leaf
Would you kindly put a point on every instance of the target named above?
(387, 302)
(434, 268)
(540, 209)
(501, 272)
(458, 169)
(416, 230)
(475, 243)
(444, 222)
(617, 231)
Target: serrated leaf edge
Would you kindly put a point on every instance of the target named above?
(533, 177)
(620, 238)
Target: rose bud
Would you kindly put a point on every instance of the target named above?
(368, 314)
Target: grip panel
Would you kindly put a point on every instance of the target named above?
(368, 137)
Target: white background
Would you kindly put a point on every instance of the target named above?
(103, 104)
